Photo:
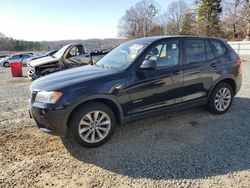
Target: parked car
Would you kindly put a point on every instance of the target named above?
(142, 77)
(50, 53)
(69, 56)
(3, 56)
(16, 58)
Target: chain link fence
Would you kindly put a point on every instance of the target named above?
(242, 48)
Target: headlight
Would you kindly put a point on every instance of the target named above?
(49, 97)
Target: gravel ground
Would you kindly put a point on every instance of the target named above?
(191, 148)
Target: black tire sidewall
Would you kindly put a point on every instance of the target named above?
(6, 64)
(211, 104)
(79, 114)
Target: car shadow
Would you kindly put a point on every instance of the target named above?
(188, 144)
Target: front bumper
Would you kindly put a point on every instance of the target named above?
(32, 73)
(48, 119)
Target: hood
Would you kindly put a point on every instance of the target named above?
(69, 77)
(36, 57)
(42, 60)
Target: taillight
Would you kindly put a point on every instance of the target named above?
(239, 63)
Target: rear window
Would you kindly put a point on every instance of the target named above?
(218, 47)
(195, 50)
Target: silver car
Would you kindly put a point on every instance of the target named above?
(16, 58)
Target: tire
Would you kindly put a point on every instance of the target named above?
(80, 121)
(220, 99)
(6, 64)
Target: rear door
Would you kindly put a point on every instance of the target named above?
(199, 68)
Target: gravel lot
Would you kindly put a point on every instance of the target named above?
(191, 148)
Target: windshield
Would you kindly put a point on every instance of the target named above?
(60, 52)
(123, 55)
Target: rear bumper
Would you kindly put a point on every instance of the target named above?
(238, 81)
(49, 120)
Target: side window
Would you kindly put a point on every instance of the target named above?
(26, 56)
(210, 54)
(165, 54)
(15, 57)
(73, 52)
(218, 47)
(195, 50)
(76, 50)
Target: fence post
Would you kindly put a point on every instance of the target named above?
(239, 49)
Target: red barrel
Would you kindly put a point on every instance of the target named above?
(16, 69)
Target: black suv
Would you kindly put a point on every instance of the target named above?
(141, 77)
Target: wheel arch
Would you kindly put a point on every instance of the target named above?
(229, 80)
(108, 101)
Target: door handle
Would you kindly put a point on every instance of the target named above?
(213, 65)
(177, 72)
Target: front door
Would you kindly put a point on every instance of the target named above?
(17, 58)
(160, 87)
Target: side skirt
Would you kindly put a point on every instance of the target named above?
(169, 109)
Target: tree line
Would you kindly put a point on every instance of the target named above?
(18, 45)
(228, 19)
(10, 44)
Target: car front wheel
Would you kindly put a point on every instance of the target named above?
(92, 124)
(221, 98)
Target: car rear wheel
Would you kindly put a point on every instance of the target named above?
(221, 98)
(6, 64)
(92, 124)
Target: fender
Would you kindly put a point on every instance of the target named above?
(219, 80)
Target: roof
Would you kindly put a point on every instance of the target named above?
(156, 38)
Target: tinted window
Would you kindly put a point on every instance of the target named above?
(16, 56)
(195, 50)
(165, 54)
(26, 55)
(210, 54)
(218, 47)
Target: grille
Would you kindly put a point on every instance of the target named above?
(31, 70)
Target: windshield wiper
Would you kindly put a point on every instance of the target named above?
(103, 66)
(106, 66)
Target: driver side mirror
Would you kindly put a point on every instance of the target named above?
(148, 64)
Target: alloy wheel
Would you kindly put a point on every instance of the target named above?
(94, 126)
(222, 99)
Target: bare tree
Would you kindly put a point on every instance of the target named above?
(175, 14)
(140, 20)
(246, 17)
(231, 22)
(128, 26)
